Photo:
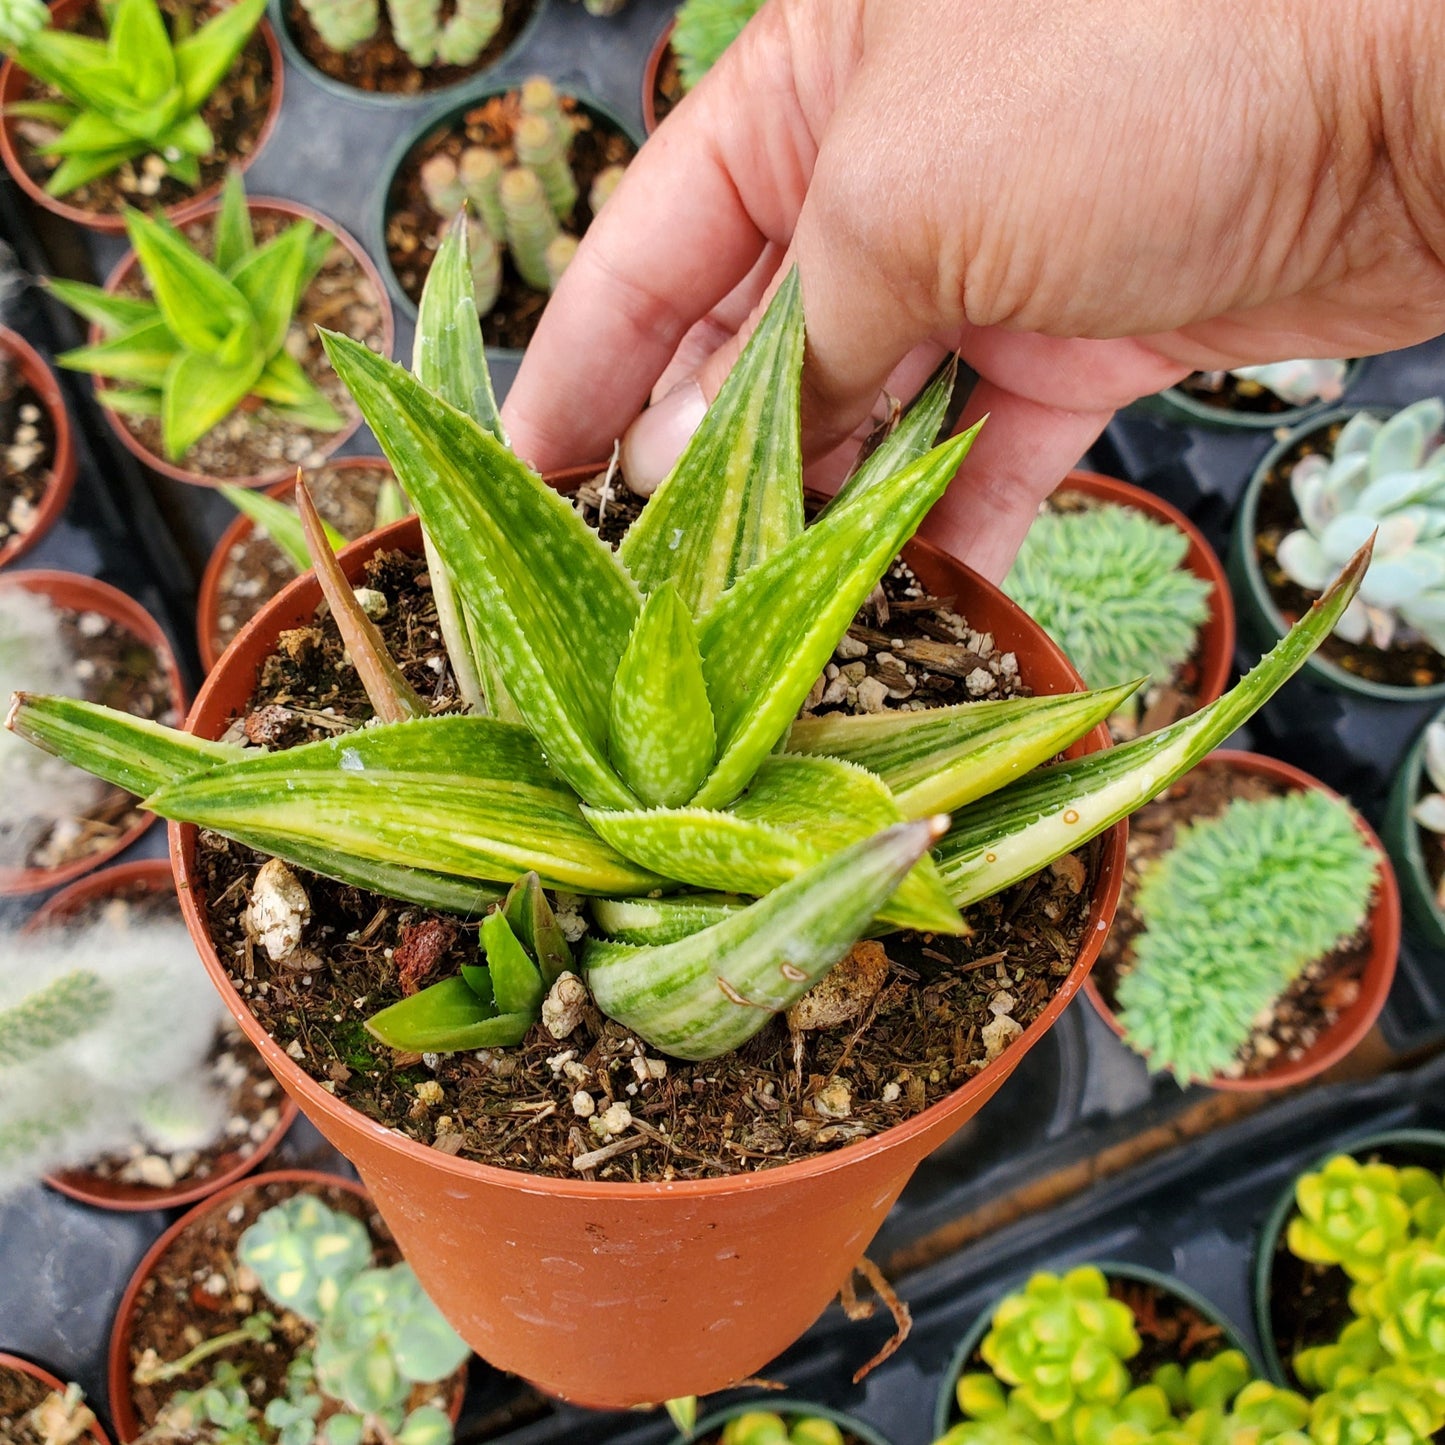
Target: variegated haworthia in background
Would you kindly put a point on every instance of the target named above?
(632, 732)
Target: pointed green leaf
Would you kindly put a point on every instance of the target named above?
(465, 796)
(319, 248)
(280, 523)
(200, 306)
(391, 504)
(516, 983)
(142, 355)
(663, 920)
(938, 759)
(735, 495)
(89, 133)
(198, 392)
(140, 43)
(270, 280)
(711, 992)
(479, 979)
(233, 240)
(111, 313)
(446, 1018)
(203, 58)
(534, 923)
(286, 385)
(797, 811)
(661, 738)
(761, 651)
(184, 144)
(76, 171)
(1015, 832)
(554, 603)
(131, 403)
(66, 61)
(185, 169)
(52, 112)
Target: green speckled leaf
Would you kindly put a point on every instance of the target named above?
(446, 1018)
(663, 920)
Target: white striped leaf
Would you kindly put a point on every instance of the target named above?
(663, 920)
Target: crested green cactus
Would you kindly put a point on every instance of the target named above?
(704, 29)
(449, 810)
(1385, 479)
(343, 24)
(1351, 1214)
(1109, 585)
(1232, 913)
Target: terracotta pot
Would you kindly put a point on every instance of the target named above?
(51, 1382)
(1384, 929)
(12, 88)
(62, 465)
(946, 1412)
(1425, 1147)
(259, 205)
(118, 1382)
(1402, 833)
(544, 1276)
(86, 594)
(1216, 637)
(150, 875)
(789, 1407)
(660, 48)
(208, 600)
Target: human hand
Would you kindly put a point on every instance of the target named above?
(1086, 201)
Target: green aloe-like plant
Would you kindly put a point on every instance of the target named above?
(214, 332)
(638, 740)
(137, 92)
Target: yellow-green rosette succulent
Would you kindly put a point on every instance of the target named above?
(1350, 1214)
(1382, 1409)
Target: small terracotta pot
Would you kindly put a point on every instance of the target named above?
(62, 464)
(1384, 929)
(1402, 837)
(12, 89)
(946, 1412)
(150, 875)
(1216, 637)
(118, 1382)
(660, 47)
(291, 210)
(51, 1382)
(85, 594)
(208, 599)
(1422, 1146)
(789, 1407)
(714, 1275)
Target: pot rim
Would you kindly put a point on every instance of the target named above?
(1278, 1217)
(786, 1406)
(1403, 832)
(22, 1366)
(307, 1091)
(12, 77)
(74, 590)
(650, 121)
(1246, 556)
(79, 1184)
(1216, 635)
(1192, 411)
(334, 440)
(1383, 923)
(457, 102)
(43, 381)
(945, 1408)
(208, 597)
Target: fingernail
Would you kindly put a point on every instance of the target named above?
(656, 439)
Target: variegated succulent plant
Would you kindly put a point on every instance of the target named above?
(1385, 479)
(633, 731)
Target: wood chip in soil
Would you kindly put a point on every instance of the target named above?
(27, 452)
(255, 441)
(1409, 661)
(414, 231)
(380, 66)
(236, 114)
(1309, 1007)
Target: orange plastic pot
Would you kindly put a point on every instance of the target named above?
(1384, 930)
(148, 876)
(42, 381)
(118, 1382)
(85, 594)
(1216, 637)
(51, 1382)
(208, 599)
(612, 1295)
(264, 205)
(13, 79)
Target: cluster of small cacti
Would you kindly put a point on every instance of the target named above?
(377, 1336)
(1058, 1354)
(1233, 913)
(416, 25)
(1385, 479)
(1384, 1377)
(703, 30)
(519, 208)
(1108, 584)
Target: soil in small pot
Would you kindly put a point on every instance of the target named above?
(1309, 1007)
(1227, 392)
(256, 569)
(19, 1395)
(414, 230)
(1409, 661)
(667, 89)
(236, 114)
(381, 67)
(254, 441)
(195, 1292)
(944, 1008)
(27, 453)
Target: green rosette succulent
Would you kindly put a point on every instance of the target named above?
(1381, 1409)
(765, 1427)
(1354, 1356)
(1350, 1214)
(305, 1254)
(1408, 1305)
